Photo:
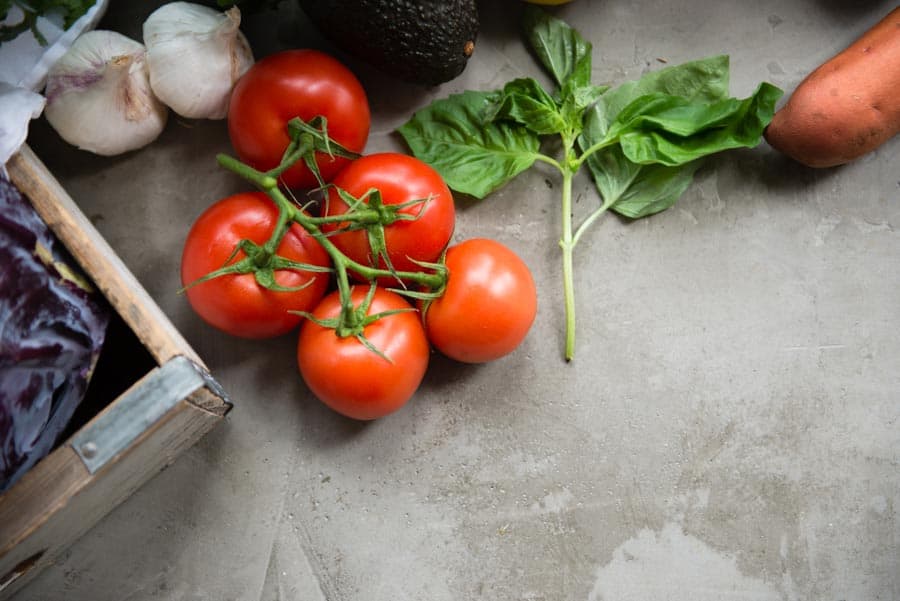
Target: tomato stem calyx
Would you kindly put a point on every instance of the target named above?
(353, 320)
(263, 265)
(368, 212)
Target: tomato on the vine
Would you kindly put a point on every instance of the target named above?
(296, 83)
(400, 179)
(355, 380)
(488, 304)
(236, 303)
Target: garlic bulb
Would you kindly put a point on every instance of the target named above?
(99, 96)
(195, 54)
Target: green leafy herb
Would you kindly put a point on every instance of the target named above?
(525, 101)
(642, 141)
(563, 52)
(475, 155)
(70, 10)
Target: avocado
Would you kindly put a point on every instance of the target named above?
(420, 41)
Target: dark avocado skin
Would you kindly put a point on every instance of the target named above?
(425, 41)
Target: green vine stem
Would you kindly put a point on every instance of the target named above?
(349, 322)
(567, 244)
(570, 235)
(290, 212)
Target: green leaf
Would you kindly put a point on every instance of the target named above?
(582, 97)
(526, 102)
(613, 173)
(634, 190)
(656, 189)
(567, 56)
(560, 48)
(661, 126)
(702, 81)
(473, 155)
(575, 101)
(672, 131)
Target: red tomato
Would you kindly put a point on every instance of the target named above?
(352, 379)
(296, 83)
(400, 178)
(488, 306)
(236, 303)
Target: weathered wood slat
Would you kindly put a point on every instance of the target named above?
(59, 498)
(58, 501)
(97, 258)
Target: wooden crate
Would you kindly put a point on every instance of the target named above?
(138, 434)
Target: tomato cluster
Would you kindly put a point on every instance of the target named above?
(369, 278)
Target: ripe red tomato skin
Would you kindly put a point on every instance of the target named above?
(350, 378)
(488, 306)
(301, 83)
(236, 304)
(400, 178)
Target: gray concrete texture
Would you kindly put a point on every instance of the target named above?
(728, 429)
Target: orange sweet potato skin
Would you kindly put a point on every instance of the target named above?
(848, 106)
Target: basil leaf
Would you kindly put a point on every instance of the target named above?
(672, 114)
(582, 97)
(561, 49)
(613, 173)
(575, 101)
(634, 190)
(702, 81)
(567, 56)
(672, 131)
(661, 136)
(473, 155)
(525, 101)
(656, 189)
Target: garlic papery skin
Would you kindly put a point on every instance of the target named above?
(195, 55)
(99, 97)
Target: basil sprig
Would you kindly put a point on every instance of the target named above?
(642, 141)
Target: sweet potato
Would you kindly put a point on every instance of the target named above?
(848, 106)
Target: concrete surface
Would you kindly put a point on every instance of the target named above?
(728, 430)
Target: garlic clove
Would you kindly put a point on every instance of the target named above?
(195, 55)
(99, 97)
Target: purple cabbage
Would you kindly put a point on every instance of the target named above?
(52, 326)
